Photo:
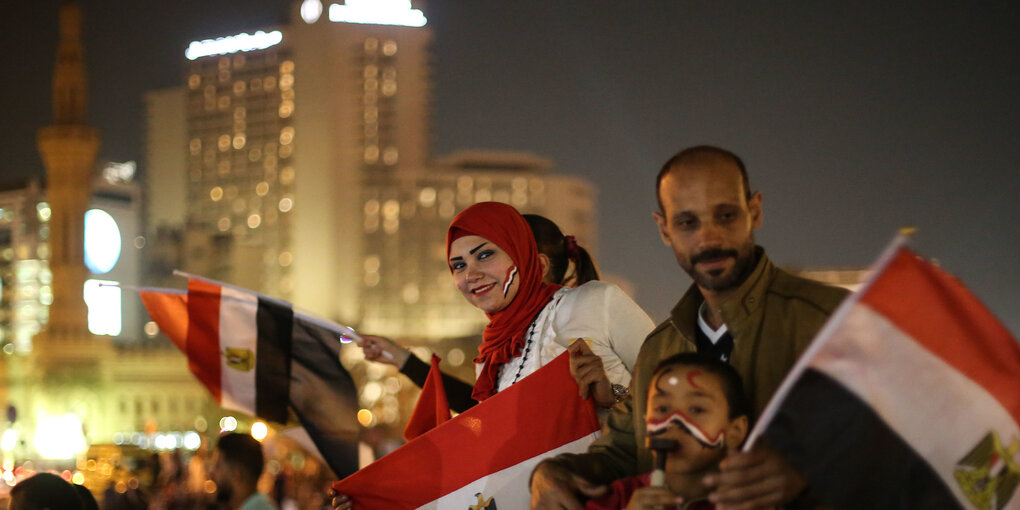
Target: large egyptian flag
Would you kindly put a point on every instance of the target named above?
(908, 398)
(256, 356)
(483, 457)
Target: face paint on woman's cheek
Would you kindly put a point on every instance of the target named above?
(511, 274)
(679, 419)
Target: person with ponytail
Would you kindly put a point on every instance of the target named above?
(564, 261)
(495, 262)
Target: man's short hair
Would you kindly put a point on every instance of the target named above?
(44, 490)
(700, 154)
(243, 452)
(732, 384)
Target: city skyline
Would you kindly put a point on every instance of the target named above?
(853, 120)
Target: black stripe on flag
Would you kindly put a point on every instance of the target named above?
(272, 360)
(849, 456)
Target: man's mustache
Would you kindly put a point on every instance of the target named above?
(713, 254)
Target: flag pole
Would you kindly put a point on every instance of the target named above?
(823, 336)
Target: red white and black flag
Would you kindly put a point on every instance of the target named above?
(908, 398)
(483, 457)
(256, 356)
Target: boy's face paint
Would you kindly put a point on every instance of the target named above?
(690, 406)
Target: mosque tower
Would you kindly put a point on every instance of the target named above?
(68, 149)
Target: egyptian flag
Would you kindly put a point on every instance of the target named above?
(432, 408)
(256, 356)
(483, 457)
(908, 398)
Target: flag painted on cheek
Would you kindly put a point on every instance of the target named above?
(256, 356)
(908, 398)
(483, 457)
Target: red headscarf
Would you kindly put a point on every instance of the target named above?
(503, 337)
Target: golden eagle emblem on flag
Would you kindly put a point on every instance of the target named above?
(239, 359)
(483, 504)
(989, 474)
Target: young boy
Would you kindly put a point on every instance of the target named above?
(698, 403)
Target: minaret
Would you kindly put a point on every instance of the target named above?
(68, 149)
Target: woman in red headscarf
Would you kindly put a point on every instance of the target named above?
(495, 264)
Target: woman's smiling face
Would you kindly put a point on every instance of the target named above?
(484, 273)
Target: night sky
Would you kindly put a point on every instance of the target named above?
(854, 118)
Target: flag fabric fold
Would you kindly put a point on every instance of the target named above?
(256, 356)
(908, 398)
(483, 457)
(432, 408)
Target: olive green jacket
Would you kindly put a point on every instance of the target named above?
(772, 317)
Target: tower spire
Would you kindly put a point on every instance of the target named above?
(68, 149)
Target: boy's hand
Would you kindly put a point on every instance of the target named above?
(586, 368)
(653, 498)
(553, 487)
(751, 480)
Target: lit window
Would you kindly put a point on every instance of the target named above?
(391, 209)
(240, 113)
(286, 81)
(239, 142)
(391, 225)
(389, 48)
(223, 167)
(239, 87)
(223, 224)
(269, 83)
(224, 75)
(372, 207)
(371, 71)
(286, 135)
(371, 154)
(287, 175)
(427, 197)
(371, 84)
(43, 210)
(209, 91)
(391, 156)
(194, 81)
(389, 88)
(286, 108)
(286, 259)
(195, 146)
(371, 224)
(254, 220)
(371, 114)
(255, 84)
(223, 63)
(371, 45)
(371, 279)
(287, 66)
(223, 102)
(239, 61)
(372, 263)
(216, 194)
(254, 155)
(287, 95)
(286, 204)
(262, 188)
(286, 151)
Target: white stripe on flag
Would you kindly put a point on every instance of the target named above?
(238, 332)
(897, 384)
(509, 487)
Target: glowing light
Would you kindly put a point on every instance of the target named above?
(377, 12)
(78, 478)
(9, 440)
(311, 10)
(233, 44)
(151, 329)
(104, 307)
(259, 430)
(43, 209)
(192, 440)
(59, 437)
(228, 424)
(102, 241)
(366, 418)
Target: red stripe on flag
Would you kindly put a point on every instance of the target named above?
(203, 346)
(170, 312)
(538, 414)
(939, 313)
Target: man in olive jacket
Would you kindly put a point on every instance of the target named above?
(741, 309)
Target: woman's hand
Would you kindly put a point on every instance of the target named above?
(586, 368)
(376, 347)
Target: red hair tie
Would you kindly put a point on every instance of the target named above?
(571, 244)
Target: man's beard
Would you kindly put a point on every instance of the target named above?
(744, 262)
